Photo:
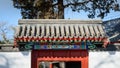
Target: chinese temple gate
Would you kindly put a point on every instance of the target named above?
(58, 43)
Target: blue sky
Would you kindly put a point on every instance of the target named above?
(8, 13)
(11, 15)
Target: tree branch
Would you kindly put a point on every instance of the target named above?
(76, 3)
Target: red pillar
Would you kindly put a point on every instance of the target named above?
(50, 65)
(33, 59)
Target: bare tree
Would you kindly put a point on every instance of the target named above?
(3, 31)
(13, 29)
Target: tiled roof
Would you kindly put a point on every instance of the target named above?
(45, 29)
(112, 28)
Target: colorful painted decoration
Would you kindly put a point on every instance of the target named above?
(81, 45)
(57, 47)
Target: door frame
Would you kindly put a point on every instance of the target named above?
(38, 56)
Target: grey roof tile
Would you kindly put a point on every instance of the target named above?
(60, 29)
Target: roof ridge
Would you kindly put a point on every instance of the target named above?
(57, 21)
